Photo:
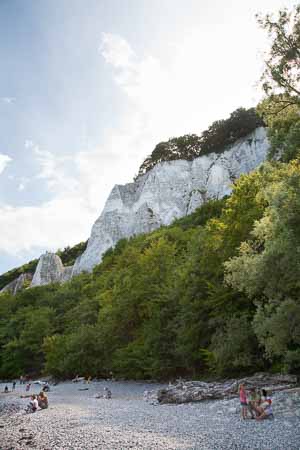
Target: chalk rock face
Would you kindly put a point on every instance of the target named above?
(67, 274)
(18, 284)
(170, 190)
(50, 269)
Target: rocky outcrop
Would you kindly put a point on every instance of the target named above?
(18, 284)
(195, 391)
(169, 191)
(67, 274)
(50, 269)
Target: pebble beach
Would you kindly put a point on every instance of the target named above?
(76, 419)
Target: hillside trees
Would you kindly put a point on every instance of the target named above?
(267, 269)
(283, 129)
(149, 309)
(157, 305)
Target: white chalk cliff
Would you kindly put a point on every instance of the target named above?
(50, 269)
(169, 191)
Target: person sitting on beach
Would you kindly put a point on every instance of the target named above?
(243, 400)
(107, 393)
(33, 405)
(264, 409)
(43, 400)
(253, 402)
(46, 388)
(6, 390)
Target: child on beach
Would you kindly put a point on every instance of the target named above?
(243, 400)
(253, 401)
(264, 410)
(33, 405)
(43, 400)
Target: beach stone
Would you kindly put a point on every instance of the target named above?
(233, 410)
(289, 402)
(78, 422)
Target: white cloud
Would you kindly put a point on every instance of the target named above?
(54, 169)
(116, 50)
(197, 82)
(23, 182)
(8, 100)
(54, 224)
(4, 160)
(28, 143)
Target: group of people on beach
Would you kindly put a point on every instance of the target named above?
(37, 401)
(255, 402)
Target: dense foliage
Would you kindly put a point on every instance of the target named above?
(216, 138)
(67, 255)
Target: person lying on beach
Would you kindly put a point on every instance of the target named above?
(33, 405)
(43, 400)
(107, 393)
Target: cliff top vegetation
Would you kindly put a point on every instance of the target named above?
(216, 138)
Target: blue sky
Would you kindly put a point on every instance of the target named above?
(88, 87)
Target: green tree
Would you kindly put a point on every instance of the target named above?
(235, 347)
(24, 352)
(281, 83)
(282, 71)
(268, 267)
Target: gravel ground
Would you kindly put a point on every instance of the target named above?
(76, 420)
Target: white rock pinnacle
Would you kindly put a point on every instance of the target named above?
(50, 269)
